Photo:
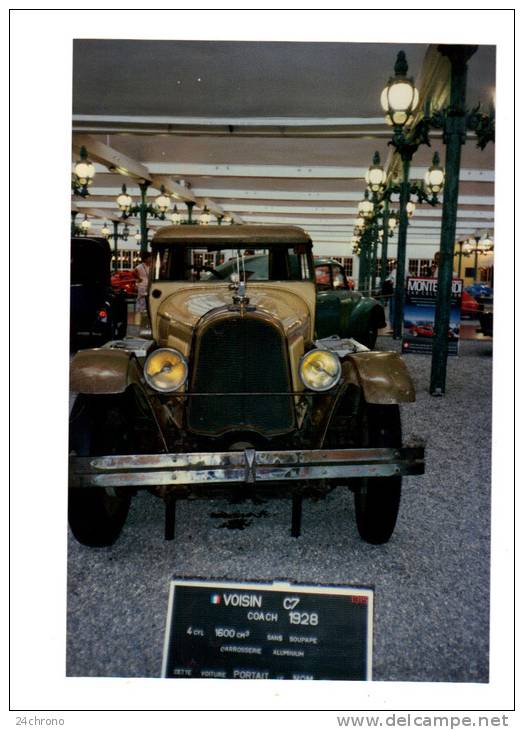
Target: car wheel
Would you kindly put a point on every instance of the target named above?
(119, 316)
(377, 500)
(96, 515)
(119, 330)
(370, 338)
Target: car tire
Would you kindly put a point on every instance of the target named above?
(377, 500)
(370, 339)
(119, 316)
(96, 515)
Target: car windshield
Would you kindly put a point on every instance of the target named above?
(278, 263)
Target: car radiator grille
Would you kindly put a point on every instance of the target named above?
(240, 355)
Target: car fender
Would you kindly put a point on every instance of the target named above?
(103, 371)
(382, 376)
(367, 312)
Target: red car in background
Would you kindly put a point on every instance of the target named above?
(124, 281)
(469, 306)
(423, 330)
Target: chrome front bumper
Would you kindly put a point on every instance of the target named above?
(248, 466)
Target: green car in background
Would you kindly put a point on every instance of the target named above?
(340, 310)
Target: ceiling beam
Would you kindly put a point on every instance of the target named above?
(114, 160)
(188, 169)
(424, 212)
(330, 127)
(212, 207)
(117, 162)
(172, 187)
(277, 195)
(303, 196)
(302, 221)
(256, 127)
(97, 213)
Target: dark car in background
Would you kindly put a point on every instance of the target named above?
(486, 321)
(97, 313)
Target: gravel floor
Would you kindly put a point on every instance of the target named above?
(431, 580)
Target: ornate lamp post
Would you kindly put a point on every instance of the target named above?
(465, 249)
(455, 121)
(144, 210)
(115, 236)
(85, 225)
(480, 245)
(389, 223)
(366, 207)
(175, 217)
(205, 217)
(74, 227)
(83, 175)
(399, 101)
(382, 192)
(399, 98)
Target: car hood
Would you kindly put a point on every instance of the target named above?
(178, 309)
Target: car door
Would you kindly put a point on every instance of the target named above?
(332, 290)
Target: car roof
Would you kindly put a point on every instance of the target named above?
(231, 235)
(324, 260)
(82, 241)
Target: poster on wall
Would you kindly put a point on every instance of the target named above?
(419, 315)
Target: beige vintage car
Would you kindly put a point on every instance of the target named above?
(233, 393)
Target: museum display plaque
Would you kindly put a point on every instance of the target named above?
(419, 315)
(231, 630)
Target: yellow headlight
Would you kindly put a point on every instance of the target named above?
(320, 370)
(165, 370)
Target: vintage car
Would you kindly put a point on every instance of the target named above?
(342, 311)
(330, 274)
(124, 280)
(234, 394)
(97, 313)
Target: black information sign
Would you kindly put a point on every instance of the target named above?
(268, 631)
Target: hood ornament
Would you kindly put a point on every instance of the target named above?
(241, 300)
(240, 296)
(239, 286)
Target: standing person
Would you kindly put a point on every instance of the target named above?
(142, 279)
(389, 289)
(435, 264)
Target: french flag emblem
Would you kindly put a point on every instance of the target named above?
(216, 599)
